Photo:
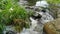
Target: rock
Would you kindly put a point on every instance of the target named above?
(55, 11)
(31, 2)
(18, 21)
(46, 17)
(10, 32)
(39, 28)
(53, 27)
(43, 10)
(23, 2)
(36, 16)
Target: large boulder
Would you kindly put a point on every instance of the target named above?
(53, 27)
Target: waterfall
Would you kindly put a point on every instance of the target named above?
(37, 26)
(46, 17)
(32, 27)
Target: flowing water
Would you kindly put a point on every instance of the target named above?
(42, 3)
(31, 29)
(37, 24)
(46, 17)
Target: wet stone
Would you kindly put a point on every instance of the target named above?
(11, 32)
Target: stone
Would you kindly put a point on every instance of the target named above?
(39, 28)
(43, 10)
(36, 16)
(52, 27)
(11, 32)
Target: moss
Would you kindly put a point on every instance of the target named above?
(18, 28)
(20, 24)
(31, 2)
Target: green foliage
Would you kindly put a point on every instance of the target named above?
(10, 10)
(18, 28)
(20, 24)
(17, 0)
(31, 2)
(6, 4)
(1, 28)
(53, 1)
(54, 6)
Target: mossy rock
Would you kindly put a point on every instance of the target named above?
(53, 27)
(19, 24)
(31, 2)
(18, 28)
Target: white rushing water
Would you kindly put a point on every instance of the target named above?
(42, 3)
(32, 27)
(46, 17)
(36, 28)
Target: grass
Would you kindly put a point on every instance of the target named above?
(11, 10)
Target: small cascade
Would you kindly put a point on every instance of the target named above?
(42, 3)
(36, 28)
(32, 27)
(37, 24)
(46, 17)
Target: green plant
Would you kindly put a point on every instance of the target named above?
(12, 10)
(54, 7)
(53, 1)
(31, 2)
(1, 28)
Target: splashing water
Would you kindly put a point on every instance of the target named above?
(42, 3)
(36, 28)
(32, 27)
(46, 17)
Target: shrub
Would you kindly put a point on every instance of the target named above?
(11, 10)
